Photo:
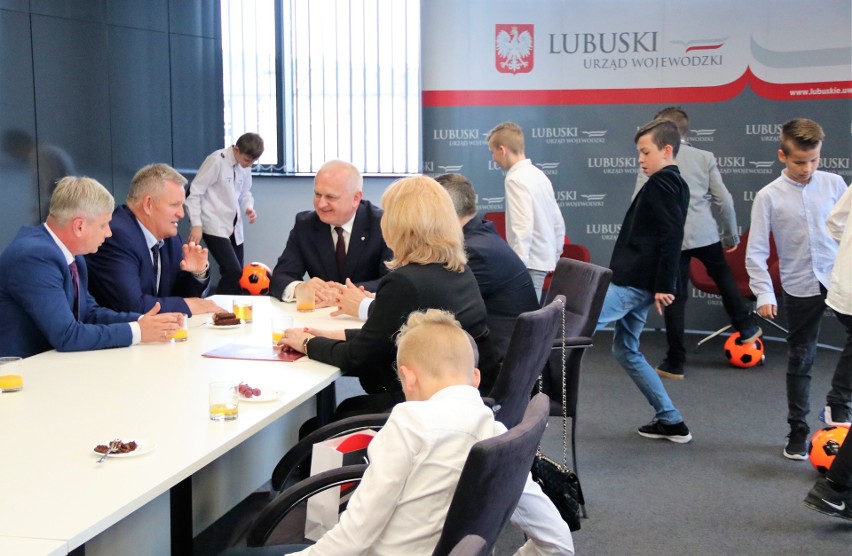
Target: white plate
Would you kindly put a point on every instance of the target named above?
(142, 448)
(266, 395)
(210, 324)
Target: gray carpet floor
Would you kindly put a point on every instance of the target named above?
(729, 492)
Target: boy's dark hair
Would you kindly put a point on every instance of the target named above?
(250, 144)
(801, 133)
(461, 192)
(663, 132)
(677, 115)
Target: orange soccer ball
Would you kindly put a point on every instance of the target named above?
(255, 279)
(824, 445)
(743, 355)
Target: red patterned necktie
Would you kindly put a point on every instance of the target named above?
(76, 277)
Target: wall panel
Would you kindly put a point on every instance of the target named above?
(17, 127)
(72, 100)
(197, 105)
(140, 109)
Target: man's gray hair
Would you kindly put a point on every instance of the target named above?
(461, 192)
(79, 197)
(150, 179)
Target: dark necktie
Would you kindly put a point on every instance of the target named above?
(75, 276)
(155, 252)
(341, 252)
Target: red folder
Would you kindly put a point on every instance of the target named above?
(256, 353)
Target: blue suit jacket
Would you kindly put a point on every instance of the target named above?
(122, 276)
(503, 280)
(37, 300)
(310, 248)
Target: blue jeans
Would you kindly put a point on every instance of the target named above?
(628, 309)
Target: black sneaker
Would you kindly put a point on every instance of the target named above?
(797, 443)
(835, 415)
(749, 334)
(667, 370)
(677, 432)
(825, 500)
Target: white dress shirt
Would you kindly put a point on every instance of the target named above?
(217, 194)
(415, 463)
(840, 291)
(535, 228)
(795, 214)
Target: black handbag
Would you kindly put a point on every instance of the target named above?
(562, 486)
(558, 481)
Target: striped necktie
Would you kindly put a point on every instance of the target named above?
(155, 257)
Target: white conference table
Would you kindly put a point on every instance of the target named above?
(18, 546)
(51, 487)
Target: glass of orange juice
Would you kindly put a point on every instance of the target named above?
(305, 298)
(243, 309)
(280, 323)
(182, 332)
(224, 401)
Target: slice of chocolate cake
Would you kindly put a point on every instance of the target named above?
(225, 319)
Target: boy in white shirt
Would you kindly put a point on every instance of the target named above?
(535, 228)
(417, 457)
(794, 209)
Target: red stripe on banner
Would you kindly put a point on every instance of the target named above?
(771, 91)
(707, 47)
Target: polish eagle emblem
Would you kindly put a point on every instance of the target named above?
(514, 48)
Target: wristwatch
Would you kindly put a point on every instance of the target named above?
(305, 344)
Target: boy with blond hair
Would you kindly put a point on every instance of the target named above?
(794, 208)
(535, 228)
(417, 457)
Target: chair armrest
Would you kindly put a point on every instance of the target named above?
(269, 517)
(300, 453)
(573, 342)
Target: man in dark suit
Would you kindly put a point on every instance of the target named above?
(341, 238)
(44, 302)
(145, 261)
(504, 282)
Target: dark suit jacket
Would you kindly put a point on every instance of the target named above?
(123, 278)
(37, 300)
(310, 248)
(647, 250)
(504, 281)
(369, 353)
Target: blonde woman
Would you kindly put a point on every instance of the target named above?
(429, 271)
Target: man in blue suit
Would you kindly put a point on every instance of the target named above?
(341, 238)
(145, 261)
(44, 301)
(503, 279)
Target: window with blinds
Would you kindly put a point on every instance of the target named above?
(348, 84)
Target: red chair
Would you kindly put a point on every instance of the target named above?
(736, 260)
(499, 221)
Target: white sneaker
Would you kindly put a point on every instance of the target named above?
(839, 418)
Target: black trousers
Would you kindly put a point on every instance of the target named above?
(841, 382)
(804, 315)
(841, 469)
(229, 255)
(675, 314)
